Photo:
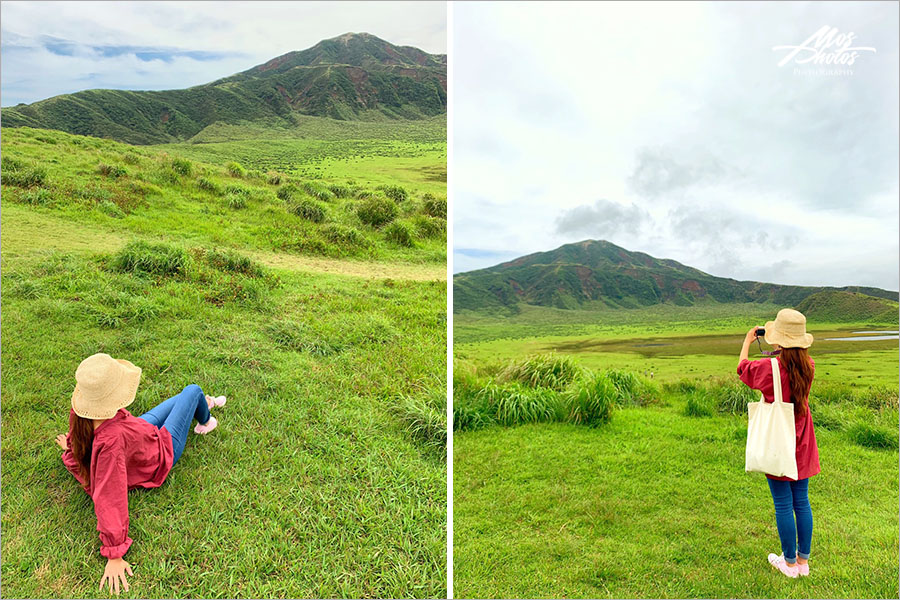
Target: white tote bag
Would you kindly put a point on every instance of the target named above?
(771, 436)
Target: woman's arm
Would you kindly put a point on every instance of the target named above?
(745, 349)
(109, 490)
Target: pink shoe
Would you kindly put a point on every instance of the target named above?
(215, 401)
(778, 563)
(206, 427)
(803, 569)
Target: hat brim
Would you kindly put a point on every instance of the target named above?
(121, 397)
(775, 336)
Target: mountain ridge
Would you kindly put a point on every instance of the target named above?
(597, 272)
(355, 76)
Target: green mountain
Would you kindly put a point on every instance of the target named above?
(356, 76)
(598, 273)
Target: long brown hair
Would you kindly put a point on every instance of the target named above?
(800, 375)
(81, 439)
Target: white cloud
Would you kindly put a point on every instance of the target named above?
(678, 109)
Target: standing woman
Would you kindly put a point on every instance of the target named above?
(110, 451)
(787, 334)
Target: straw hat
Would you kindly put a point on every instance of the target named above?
(788, 330)
(105, 385)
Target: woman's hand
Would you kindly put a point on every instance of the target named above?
(114, 572)
(748, 339)
(751, 335)
(61, 440)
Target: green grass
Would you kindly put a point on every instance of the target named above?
(657, 504)
(222, 197)
(326, 476)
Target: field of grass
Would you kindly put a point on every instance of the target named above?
(652, 500)
(165, 192)
(326, 476)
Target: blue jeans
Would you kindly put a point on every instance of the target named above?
(176, 414)
(792, 498)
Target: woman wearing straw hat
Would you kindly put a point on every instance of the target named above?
(109, 451)
(787, 334)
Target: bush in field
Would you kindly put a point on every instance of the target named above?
(182, 166)
(729, 396)
(130, 158)
(19, 174)
(160, 260)
(37, 197)
(516, 404)
(699, 404)
(632, 389)
(339, 191)
(236, 201)
(429, 227)
(590, 400)
(425, 419)
(394, 192)
(310, 210)
(273, 178)
(287, 191)
(399, 233)
(111, 171)
(869, 435)
(543, 370)
(435, 207)
(111, 208)
(471, 409)
(342, 235)
(377, 211)
(230, 261)
(209, 186)
(317, 190)
(235, 169)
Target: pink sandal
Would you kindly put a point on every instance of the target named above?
(206, 427)
(779, 563)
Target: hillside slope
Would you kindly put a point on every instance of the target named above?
(836, 306)
(353, 76)
(595, 272)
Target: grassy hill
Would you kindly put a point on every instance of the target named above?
(148, 191)
(602, 275)
(838, 306)
(354, 76)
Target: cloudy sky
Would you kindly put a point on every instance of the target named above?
(50, 48)
(672, 130)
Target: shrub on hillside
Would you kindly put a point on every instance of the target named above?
(209, 186)
(429, 227)
(339, 191)
(632, 389)
(435, 207)
(344, 236)
(112, 171)
(130, 158)
(230, 261)
(287, 192)
(36, 197)
(590, 400)
(394, 192)
(236, 201)
(160, 260)
(377, 211)
(542, 370)
(310, 210)
(317, 190)
(425, 419)
(20, 174)
(399, 233)
(273, 178)
(235, 169)
(182, 166)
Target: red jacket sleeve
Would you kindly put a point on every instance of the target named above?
(109, 490)
(754, 372)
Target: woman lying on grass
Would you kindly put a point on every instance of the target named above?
(109, 451)
(787, 334)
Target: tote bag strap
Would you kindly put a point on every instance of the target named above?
(776, 380)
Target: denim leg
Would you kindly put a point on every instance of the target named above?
(800, 492)
(157, 415)
(784, 517)
(188, 405)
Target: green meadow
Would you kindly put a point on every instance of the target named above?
(601, 455)
(317, 304)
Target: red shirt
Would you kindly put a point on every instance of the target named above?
(757, 374)
(127, 452)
